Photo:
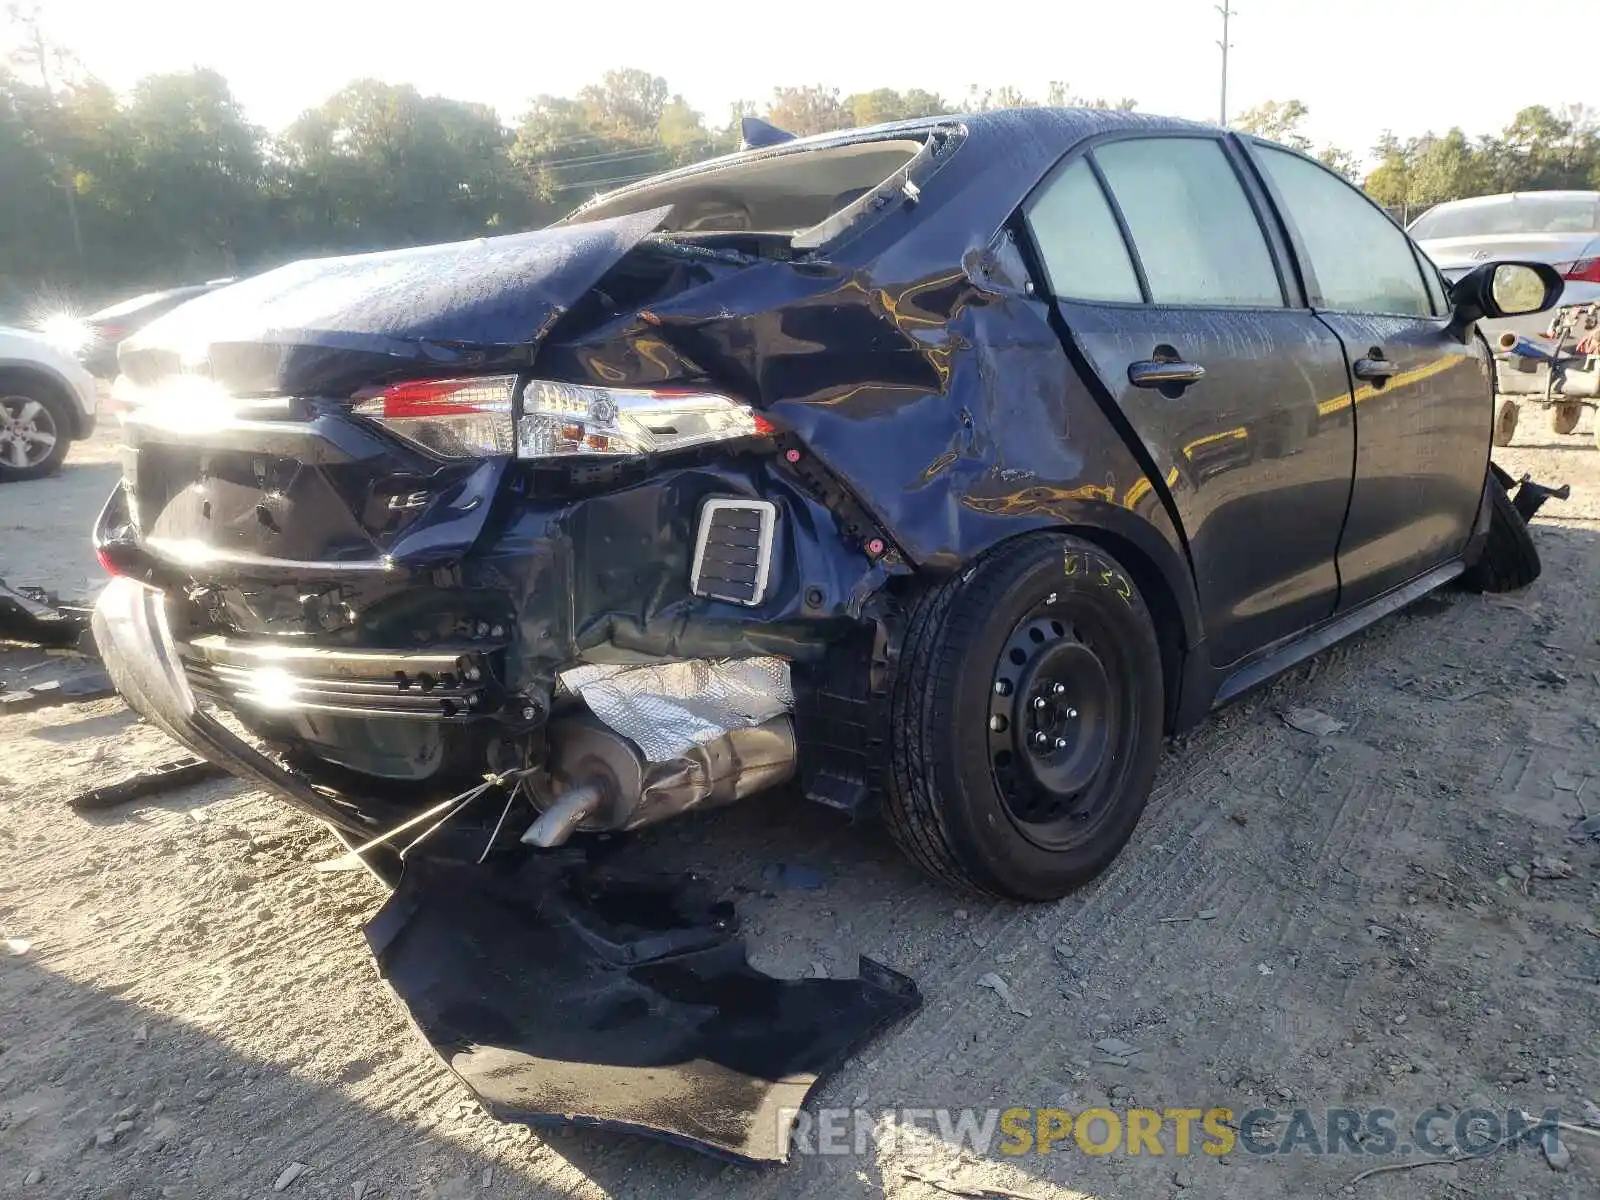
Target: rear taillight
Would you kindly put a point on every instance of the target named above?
(457, 418)
(1585, 270)
(463, 418)
(563, 419)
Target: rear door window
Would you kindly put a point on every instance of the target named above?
(1084, 255)
(1362, 260)
(1192, 225)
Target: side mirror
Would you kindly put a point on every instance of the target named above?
(1503, 289)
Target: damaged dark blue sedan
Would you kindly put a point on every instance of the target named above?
(947, 465)
(944, 467)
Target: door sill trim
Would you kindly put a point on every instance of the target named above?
(1276, 659)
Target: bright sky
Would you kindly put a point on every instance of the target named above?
(1361, 65)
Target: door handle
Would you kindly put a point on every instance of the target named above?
(1375, 369)
(1165, 373)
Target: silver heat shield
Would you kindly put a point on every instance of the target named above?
(669, 708)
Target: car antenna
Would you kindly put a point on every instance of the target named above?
(755, 133)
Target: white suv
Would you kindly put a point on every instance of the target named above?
(47, 401)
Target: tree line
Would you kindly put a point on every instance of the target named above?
(101, 193)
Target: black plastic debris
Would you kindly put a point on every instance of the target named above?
(564, 993)
(37, 617)
(94, 684)
(1531, 497)
(164, 777)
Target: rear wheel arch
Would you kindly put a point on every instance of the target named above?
(1161, 596)
(50, 422)
(25, 374)
(1159, 572)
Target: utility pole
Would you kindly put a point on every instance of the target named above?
(1226, 11)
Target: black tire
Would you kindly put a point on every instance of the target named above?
(1510, 560)
(1505, 422)
(969, 803)
(53, 418)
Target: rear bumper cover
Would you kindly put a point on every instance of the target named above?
(562, 994)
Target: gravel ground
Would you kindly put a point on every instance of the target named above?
(186, 1008)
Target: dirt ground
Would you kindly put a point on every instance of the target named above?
(1341, 921)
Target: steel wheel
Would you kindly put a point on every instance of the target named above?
(1025, 719)
(28, 432)
(1055, 715)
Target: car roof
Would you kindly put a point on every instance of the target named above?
(1023, 141)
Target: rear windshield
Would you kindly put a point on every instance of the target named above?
(784, 193)
(1522, 214)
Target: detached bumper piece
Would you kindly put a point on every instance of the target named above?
(563, 994)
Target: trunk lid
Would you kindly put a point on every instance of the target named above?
(1456, 256)
(325, 326)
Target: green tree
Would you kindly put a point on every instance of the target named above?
(1445, 168)
(982, 99)
(1390, 182)
(34, 234)
(683, 134)
(882, 105)
(809, 109)
(194, 174)
(625, 106)
(1277, 121)
(382, 165)
(1341, 161)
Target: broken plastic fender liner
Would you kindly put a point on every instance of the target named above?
(563, 994)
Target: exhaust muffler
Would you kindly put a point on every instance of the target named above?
(608, 785)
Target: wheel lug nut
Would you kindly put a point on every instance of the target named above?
(1038, 702)
(1059, 689)
(997, 723)
(1061, 743)
(1071, 714)
(1040, 738)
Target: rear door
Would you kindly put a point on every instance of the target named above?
(1422, 400)
(1169, 286)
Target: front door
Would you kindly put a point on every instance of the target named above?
(1422, 401)
(1169, 287)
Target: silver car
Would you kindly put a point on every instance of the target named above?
(1560, 228)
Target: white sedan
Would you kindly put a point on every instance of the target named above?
(47, 402)
(1559, 228)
